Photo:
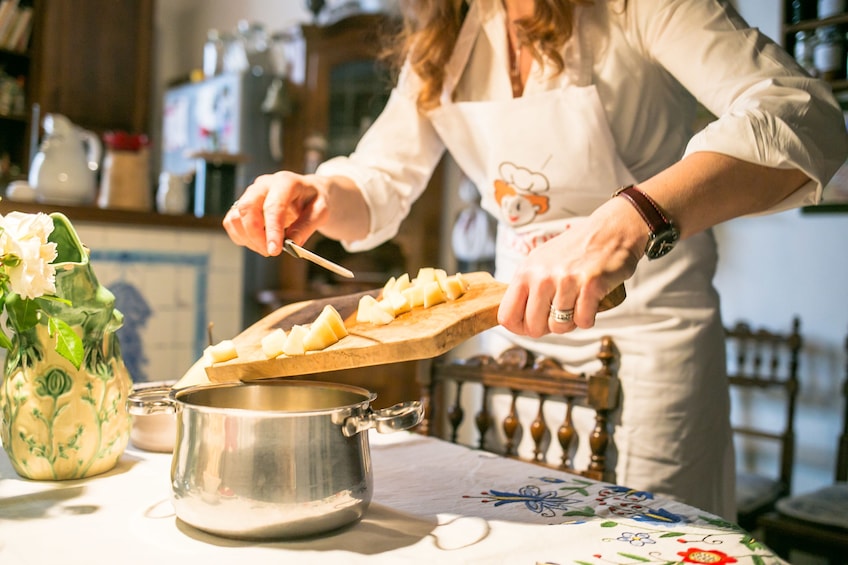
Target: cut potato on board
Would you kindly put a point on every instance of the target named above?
(272, 344)
(331, 316)
(294, 341)
(414, 295)
(433, 294)
(327, 329)
(366, 304)
(222, 351)
(453, 288)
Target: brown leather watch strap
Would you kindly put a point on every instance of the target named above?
(663, 232)
(646, 207)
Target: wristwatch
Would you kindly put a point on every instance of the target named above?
(663, 233)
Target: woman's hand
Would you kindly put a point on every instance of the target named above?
(275, 206)
(574, 271)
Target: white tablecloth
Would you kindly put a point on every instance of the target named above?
(434, 503)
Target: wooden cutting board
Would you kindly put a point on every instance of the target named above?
(419, 334)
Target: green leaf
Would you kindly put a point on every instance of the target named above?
(5, 342)
(634, 557)
(609, 524)
(23, 313)
(68, 343)
(672, 535)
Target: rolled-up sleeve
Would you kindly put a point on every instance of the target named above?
(391, 165)
(769, 111)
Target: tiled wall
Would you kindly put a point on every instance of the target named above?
(169, 283)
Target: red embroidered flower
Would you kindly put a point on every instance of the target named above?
(710, 556)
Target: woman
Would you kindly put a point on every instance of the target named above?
(550, 106)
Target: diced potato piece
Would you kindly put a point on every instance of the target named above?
(366, 304)
(272, 343)
(425, 275)
(294, 341)
(319, 336)
(414, 295)
(453, 288)
(331, 316)
(390, 284)
(402, 283)
(380, 316)
(222, 351)
(433, 294)
(397, 303)
(462, 280)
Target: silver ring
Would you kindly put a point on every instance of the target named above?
(562, 316)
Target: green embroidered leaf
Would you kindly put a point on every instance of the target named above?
(752, 543)
(672, 535)
(609, 524)
(585, 511)
(635, 557)
(757, 560)
(68, 343)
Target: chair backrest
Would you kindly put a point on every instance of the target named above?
(519, 374)
(766, 362)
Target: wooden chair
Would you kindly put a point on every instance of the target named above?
(519, 374)
(763, 369)
(816, 522)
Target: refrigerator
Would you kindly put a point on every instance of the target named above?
(217, 131)
(222, 119)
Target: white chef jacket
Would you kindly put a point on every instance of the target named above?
(672, 434)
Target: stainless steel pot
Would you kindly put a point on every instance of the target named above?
(276, 459)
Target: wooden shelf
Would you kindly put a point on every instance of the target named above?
(808, 25)
(117, 217)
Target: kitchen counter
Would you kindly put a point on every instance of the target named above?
(94, 214)
(434, 502)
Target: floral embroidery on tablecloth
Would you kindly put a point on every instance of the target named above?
(635, 525)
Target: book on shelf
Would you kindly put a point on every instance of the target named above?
(18, 37)
(8, 15)
(15, 25)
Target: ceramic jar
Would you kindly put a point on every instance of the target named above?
(58, 421)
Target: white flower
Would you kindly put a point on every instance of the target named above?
(26, 255)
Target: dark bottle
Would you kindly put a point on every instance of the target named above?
(803, 10)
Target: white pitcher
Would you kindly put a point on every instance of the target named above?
(64, 171)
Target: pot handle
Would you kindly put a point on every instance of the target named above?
(152, 400)
(401, 416)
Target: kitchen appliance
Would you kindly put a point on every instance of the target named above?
(277, 459)
(218, 120)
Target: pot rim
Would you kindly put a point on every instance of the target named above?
(176, 397)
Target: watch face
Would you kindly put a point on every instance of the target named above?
(660, 244)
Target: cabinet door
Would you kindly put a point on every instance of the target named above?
(94, 62)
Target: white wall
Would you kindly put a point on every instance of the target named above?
(773, 267)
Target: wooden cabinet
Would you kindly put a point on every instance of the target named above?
(16, 89)
(87, 59)
(341, 91)
(801, 19)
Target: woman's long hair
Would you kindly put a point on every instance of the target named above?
(431, 28)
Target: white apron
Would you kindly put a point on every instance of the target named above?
(547, 159)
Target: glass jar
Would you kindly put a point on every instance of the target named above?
(805, 43)
(827, 8)
(829, 53)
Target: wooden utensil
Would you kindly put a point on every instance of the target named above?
(420, 334)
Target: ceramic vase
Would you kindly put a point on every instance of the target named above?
(60, 422)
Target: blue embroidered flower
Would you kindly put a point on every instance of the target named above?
(660, 515)
(637, 539)
(542, 503)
